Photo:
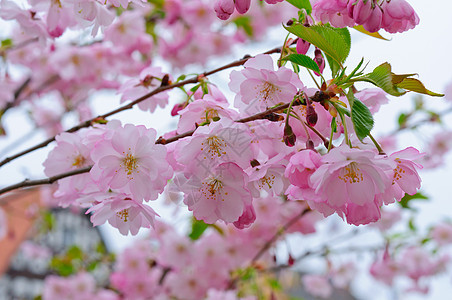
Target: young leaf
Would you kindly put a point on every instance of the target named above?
(197, 229)
(382, 77)
(300, 4)
(325, 38)
(414, 85)
(405, 202)
(377, 35)
(304, 61)
(362, 118)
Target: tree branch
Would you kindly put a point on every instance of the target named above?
(160, 89)
(49, 180)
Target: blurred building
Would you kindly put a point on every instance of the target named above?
(34, 235)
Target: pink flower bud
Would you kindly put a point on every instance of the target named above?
(224, 9)
(320, 60)
(311, 115)
(247, 218)
(178, 107)
(242, 6)
(360, 11)
(302, 46)
(289, 137)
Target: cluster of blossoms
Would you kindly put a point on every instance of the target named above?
(281, 151)
(225, 166)
(180, 32)
(390, 15)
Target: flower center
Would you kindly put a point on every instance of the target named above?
(351, 173)
(267, 91)
(398, 173)
(210, 188)
(130, 164)
(216, 146)
(123, 214)
(268, 180)
(79, 161)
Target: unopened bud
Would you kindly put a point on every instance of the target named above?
(165, 80)
(289, 23)
(290, 261)
(320, 60)
(311, 115)
(310, 144)
(178, 107)
(302, 46)
(289, 137)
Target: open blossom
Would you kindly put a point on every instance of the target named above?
(121, 212)
(210, 145)
(333, 12)
(150, 78)
(203, 110)
(349, 181)
(398, 16)
(222, 195)
(442, 233)
(128, 160)
(317, 285)
(259, 86)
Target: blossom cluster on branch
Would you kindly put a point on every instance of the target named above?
(292, 147)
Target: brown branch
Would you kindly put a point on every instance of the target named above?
(49, 180)
(275, 237)
(160, 89)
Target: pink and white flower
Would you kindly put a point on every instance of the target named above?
(259, 86)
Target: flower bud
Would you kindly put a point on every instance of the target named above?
(320, 60)
(311, 115)
(289, 137)
(302, 46)
(178, 107)
(242, 6)
(224, 9)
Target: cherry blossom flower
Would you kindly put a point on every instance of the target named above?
(121, 212)
(129, 161)
(349, 181)
(204, 110)
(259, 86)
(442, 233)
(334, 12)
(150, 78)
(210, 145)
(222, 195)
(398, 16)
(317, 285)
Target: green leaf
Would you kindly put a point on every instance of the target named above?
(377, 35)
(382, 77)
(333, 43)
(362, 118)
(406, 200)
(300, 4)
(414, 85)
(197, 229)
(245, 23)
(411, 224)
(6, 43)
(304, 61)
(74, 252)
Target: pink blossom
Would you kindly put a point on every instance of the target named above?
(398, 16)
(128, 160)
(242, 6)
(388, 219)
(222, 195)
(269, 177)
(258, 86)
(406, 179)
(386, 269)
(121, 212)
(373, 98)
(417, 263)
(210, 145)
(317, 285)
(302, 46)
(349, 181)
(204, 110)
(247, 218)
(224, 8)
(150, 79)
(333, 12)
(442, 233)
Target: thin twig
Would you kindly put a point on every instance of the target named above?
(286, 226)
(49, 180)
(160, 89)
